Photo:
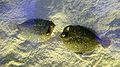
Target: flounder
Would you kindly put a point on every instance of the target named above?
(81, 39)
(37, 30)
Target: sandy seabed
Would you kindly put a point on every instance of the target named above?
(103, 16)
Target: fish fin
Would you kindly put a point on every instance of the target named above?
(104, 41)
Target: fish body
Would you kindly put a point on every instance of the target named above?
(36, 29)
(79, 39)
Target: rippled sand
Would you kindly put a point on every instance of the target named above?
(103, 16)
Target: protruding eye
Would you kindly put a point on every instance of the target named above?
(67, 28)
(64, 34)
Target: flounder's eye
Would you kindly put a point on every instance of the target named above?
(64, 34)
(67, 28)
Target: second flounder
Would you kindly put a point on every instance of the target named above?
(38, 30)
(80, 39)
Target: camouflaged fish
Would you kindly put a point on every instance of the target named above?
(38, 30)
(80, 39)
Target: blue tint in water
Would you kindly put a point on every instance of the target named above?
(29, 9)
(42, 8)
(4, 7)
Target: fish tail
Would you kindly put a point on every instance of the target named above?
(104, 41)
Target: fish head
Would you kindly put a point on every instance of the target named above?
(66, 33)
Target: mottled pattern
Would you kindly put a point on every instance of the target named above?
(36, 30)
(100, 15)
(79, 39)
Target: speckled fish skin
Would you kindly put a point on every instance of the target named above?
(36, 29)
(79, 39)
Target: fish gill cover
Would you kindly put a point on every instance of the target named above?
(100, 15)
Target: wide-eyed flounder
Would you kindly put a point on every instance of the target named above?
(80, 39)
